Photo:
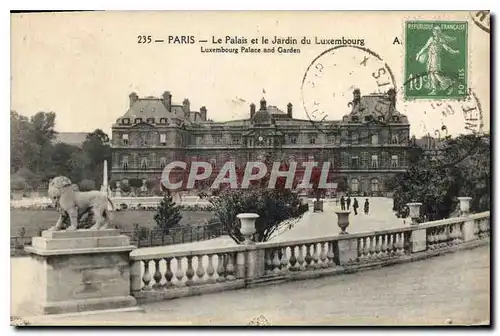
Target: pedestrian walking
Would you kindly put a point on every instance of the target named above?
(342, 203)
(355, 206)
(348, 201)
(367, 207)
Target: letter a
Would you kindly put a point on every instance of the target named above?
(396, 41)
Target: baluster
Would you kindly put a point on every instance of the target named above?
(284, 261)
(293, 259)
(200, 270)
(157, 276)
(268, 265)
(400, 246)
(366, 248)
(276, 261)
(378, 247)
(390, 244)
(190, 271)
(373, 242)
(230, 269)
(179, 274)
(168, 273)
(220, 268)
(361, 247)
(308, 257)
(330, 255)
(476, 228)
(301, 258)
(383, 247)
(430, 239)
(323, 256)
(315, 256)
(442, 237)
(210, 268)
(147, 276)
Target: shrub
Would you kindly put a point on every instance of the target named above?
(87, 185)
(273, 206)
(168, 214)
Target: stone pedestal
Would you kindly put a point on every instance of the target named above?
(418, 240)
(76, 271)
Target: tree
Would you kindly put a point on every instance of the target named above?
(437, 182)
(274, 206)
(87, 185)
(62, 156)
(168, 214)
(97, 148)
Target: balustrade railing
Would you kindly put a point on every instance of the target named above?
(169, 271)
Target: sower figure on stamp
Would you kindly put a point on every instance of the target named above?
(432, 54)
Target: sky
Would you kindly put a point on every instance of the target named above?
(83, 66)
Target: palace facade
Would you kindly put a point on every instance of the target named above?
(365, 148)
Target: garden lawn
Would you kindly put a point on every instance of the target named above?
(35, 220)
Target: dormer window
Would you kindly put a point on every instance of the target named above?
(355, 118)
(138, 120)
(151, 120)
(142, 110)
(163, 120)
(368, 118)
(126, 121)
(395, 118)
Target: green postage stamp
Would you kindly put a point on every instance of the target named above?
(435, 59)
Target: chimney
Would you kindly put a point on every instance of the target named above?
(263, 104)
(133, 98)
(252, 110)
(167, 100)
(203, 113)
(356, 97)
(186, 107)
(289, 108)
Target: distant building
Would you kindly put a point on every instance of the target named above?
(366, 147)
(71, 138)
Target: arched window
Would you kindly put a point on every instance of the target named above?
(375, 185)
(374, 139)
(125, 162)
(354, 185)
(144, 163)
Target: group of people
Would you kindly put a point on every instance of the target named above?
(345, 203)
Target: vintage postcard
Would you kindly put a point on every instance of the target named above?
(227, 168)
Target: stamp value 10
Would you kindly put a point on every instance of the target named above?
(436, 59)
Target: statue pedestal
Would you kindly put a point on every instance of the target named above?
(76, 271)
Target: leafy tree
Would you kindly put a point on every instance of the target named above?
(168, 214)
(62, 156)
(462, 169)
(97, 149)
(274, 206)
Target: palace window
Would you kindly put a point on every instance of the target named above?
(293, 139)
(331, 139)
(394, 161)
(312, 139)
(374, 139)
(144, 163)
(354, 185)
(374, 161)
(217, 140)
(125, 162)
(354, 162)
(375, 185)
(163, 139)
(394, 139)
(163, 162)
(354, 138)
(236, 140)
(125, 139)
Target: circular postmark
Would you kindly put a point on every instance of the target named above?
(482, 19)
(337, 78)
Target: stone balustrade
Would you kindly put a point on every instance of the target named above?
(176, 274)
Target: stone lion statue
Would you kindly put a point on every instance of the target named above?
(73, 204)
